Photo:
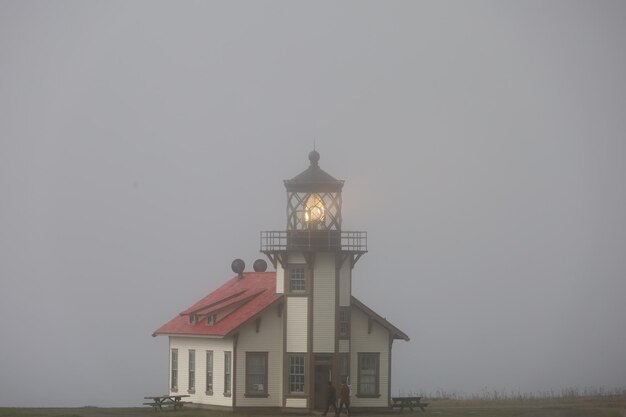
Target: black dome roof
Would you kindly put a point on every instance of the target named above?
(314, 178)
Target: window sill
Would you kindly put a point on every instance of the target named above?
(191, 391)
(208, 392)
(227, 394)
(296, 395)
(368, 395)
(256, 395)
(175, 389)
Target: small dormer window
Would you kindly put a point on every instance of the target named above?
(211, 319)
(193, 319)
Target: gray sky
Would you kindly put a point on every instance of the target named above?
(143, 147)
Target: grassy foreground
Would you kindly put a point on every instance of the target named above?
(596, 406)
(604, 406)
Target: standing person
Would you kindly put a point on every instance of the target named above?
(331, 398)
(344, 397)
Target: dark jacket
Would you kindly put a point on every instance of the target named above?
(331, 394)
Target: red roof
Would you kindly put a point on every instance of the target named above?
(246, 297)
(237, 302)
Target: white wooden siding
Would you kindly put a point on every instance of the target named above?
(296, 258)
(324, 303)
(268, 339)
(280, 279)
(295, 402)
(345, 284)
(297, 324)
(376, 341)
(201, 345)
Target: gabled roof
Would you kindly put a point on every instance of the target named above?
(397, 333)
(241, 300)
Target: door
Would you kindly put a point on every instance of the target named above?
(322, 376)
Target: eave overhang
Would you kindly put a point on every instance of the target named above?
(393, 330)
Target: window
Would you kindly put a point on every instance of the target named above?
(174, 370)
(296, 374)
(209, 372)
(193, 319)
(192, 370)
(368, 374)
(227, 372)
(344, 367)
(211, 319)
(297, 280)
(256, 373)
(344, 322)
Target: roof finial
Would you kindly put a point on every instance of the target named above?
(314, 157)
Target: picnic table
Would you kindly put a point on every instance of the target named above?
(165, 400)
(408, 402)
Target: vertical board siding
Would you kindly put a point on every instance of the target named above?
(297, 324)
(345, 284)
(268, 339)
(324, 303)
(280, 279)
(201, 345)
(376, 341)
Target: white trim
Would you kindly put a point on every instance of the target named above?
(205, 336)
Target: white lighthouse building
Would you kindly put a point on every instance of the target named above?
(275, 339)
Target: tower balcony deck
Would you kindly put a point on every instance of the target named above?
(313, 240)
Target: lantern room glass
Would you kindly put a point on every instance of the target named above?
(314, 211)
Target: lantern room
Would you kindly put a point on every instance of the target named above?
(313, 218)
(313, 199)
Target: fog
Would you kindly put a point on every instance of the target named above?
(143, 147)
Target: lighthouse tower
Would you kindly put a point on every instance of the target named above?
(314, 259)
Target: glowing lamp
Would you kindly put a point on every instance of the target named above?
(314, 209)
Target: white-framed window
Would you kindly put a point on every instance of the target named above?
(296, 374)
(227, 372)
(256, 373)
(344, 322)
(174, 370)
(209, 372)
(192, 370)
(369, 367)
(297, 279)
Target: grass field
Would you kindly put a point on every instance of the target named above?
(595, 406)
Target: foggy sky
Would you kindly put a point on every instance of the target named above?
(143, 147)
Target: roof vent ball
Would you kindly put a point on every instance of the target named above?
(314, 157)
(259, 265)
(238, 266)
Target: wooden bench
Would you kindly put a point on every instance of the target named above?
(160, 401)
(410, 402)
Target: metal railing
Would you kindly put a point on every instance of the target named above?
(330, 240)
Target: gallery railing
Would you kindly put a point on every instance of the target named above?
(319, 240)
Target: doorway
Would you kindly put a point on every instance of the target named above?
(322, 376)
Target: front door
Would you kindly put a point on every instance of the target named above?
(322, 376)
